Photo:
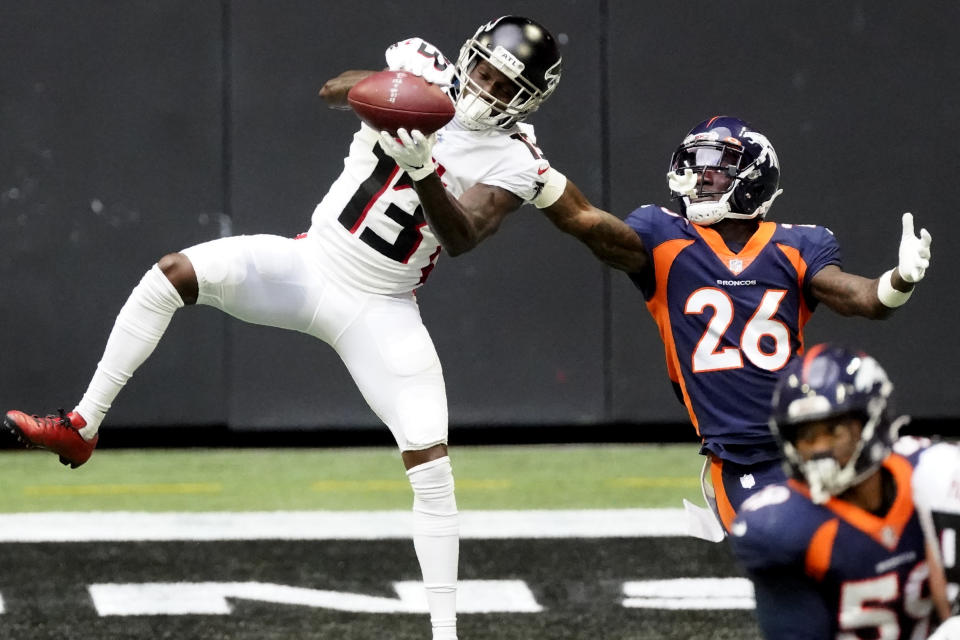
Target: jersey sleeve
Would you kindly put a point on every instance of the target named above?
(769, 539)
(770, 532)
(820, 249)
(524, 172)
(653, 224)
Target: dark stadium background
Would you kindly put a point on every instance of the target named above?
(132, 129)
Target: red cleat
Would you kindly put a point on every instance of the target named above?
(59, 434)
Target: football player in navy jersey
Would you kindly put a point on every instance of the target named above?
(731, 292)
(841, 549)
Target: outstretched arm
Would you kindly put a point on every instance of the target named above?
(853, 295)
(412, 55)
(462, 224)
(608, 237)
(334, 91)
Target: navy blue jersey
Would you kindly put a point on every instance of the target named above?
(835, 570)
(729, 320)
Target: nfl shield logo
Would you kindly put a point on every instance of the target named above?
(736, 265)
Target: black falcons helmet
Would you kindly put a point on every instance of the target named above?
(521, 49)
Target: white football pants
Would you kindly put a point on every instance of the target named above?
(273, 281)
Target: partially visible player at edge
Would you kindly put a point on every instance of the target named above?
(373, 239)
(841, 549)
(731, 292)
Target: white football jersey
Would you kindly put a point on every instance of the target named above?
(936, 496)
(370, 227)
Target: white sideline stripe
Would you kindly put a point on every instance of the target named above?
(211, 598)
(103, 526)
(690, 593)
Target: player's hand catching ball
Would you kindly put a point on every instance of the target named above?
(411, 150)
(914, 251)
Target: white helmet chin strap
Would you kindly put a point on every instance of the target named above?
(473, 112)
(709, 211)
(712, 211)
(826, 478)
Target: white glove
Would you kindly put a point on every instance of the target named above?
(419, 57)
(949, 630)
(412, 151)
(914, 252)
(683, 183)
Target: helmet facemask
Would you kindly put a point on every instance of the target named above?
(721, 160)
(824, 474)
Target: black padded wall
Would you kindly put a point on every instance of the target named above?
(111, 157)
(138, 128)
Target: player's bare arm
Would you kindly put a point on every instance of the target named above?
(334, 91)
(459, 224)
(608, 237)
(853, 295)
(849, 294)
(462, 224)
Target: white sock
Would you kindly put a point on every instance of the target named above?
(436, 538)
(137, 330)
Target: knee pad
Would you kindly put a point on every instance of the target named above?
(433, 496)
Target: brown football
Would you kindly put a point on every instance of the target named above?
(388, 100)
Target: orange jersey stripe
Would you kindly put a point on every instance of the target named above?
(746, 255)
(724, 507)
(663, 257)
(800, 266)
(821, 549)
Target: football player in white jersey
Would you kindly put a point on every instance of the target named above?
(936, 494)
(374, 238)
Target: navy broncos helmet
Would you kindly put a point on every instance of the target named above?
(827, 382)
(742, 162)
(521, 49)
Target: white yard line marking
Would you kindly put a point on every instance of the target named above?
(689, 593)
(211, 598)
(101, 526)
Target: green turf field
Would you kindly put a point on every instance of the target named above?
(48, 589)
(496, 477)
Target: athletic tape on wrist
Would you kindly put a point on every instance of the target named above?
(419, 174)
(889, 296)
